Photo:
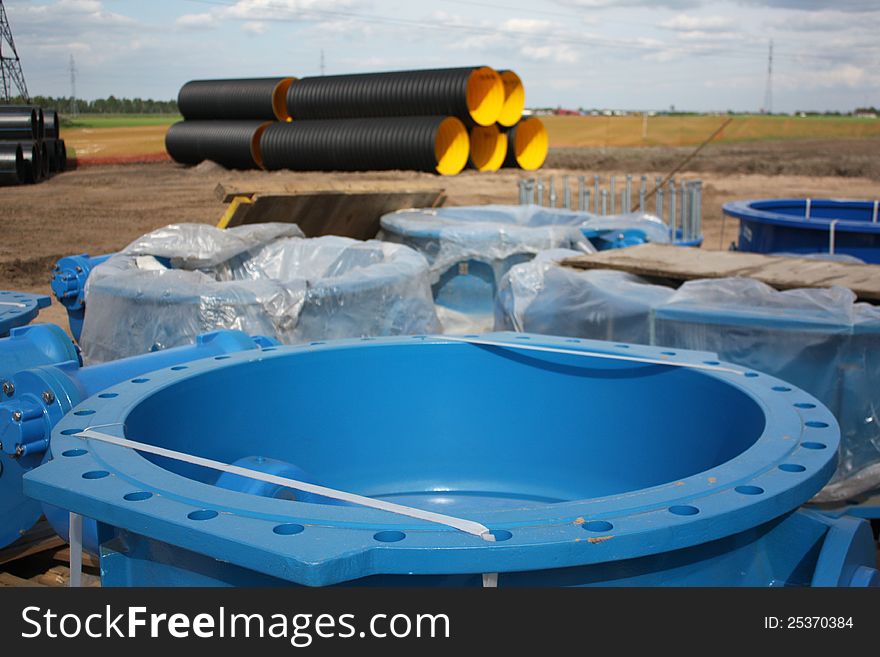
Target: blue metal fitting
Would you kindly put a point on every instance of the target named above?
(41, 395)
(19, 308)
(657, 494)
(69, 283)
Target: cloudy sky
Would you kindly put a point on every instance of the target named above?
(638, 54)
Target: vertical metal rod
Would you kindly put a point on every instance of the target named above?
(629, 184)
(540, 192)
(596, 194)
(672, 212)
(586, 205)
(76, 552)
(552, 192)
(532, 189)
(659, 197)
(643, 191)
(582, 189)
(566, 193)
(522, 192)
(612, 193)
(623, 201)
(698, 225)
(604, 202)
(683, 210)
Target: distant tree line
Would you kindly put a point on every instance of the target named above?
(109, 105)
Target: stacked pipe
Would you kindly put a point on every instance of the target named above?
(438, 120)
(31, 148)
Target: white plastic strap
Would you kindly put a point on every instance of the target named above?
(76, 550)
(467, 526)
(807, 208)
(15, 304)
(874, 216)
(831, 233)
(591, 354)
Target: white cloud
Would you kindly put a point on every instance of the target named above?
(686, 23)
(255, 27)
(561, 54)
(196, 21)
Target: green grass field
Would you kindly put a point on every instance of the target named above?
(117, 120)
(598, 131)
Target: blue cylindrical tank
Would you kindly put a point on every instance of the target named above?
(808, 226)
(544, 461)
(40, 396)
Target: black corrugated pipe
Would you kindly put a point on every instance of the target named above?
(51, 126)
(234, 144)
(19, 123)
(527, 145)
(33, 161)
(12, 168)
(472, 94)
(422, 143)
(235, 100)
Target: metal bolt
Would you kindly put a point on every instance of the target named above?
(79, 269)
(16, 416)
(19, 451)
(48, 397)
(8, 388)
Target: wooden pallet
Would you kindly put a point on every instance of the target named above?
(42, 558)
(781, 272)
(350, 212)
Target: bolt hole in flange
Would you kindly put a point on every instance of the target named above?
(389, 536)
(684, 510)
(749, 490)
(137, 496)
(202, 514)
(598, 526)
(792, 467)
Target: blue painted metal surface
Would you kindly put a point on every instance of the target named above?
(521, 441)
(42, 395)
(30, 346)
(774, 225)
(69, 284)
(19, 308)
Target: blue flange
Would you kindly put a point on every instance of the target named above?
(19, 308)
(585, 467)
(69, 285)
(35, 399)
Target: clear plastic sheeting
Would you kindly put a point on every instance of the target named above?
(183, 280)
(469, 249)
(821, 340)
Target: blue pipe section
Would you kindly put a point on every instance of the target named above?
(31, 346)
(43, 394)
(69, 284)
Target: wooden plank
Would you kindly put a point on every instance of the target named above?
(226, 191)
(8, 579)
(780, 272)
(350, 214)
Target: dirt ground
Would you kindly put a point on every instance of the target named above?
(101, 209)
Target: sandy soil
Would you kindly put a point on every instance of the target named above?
(100, 209)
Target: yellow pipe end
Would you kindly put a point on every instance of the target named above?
(279, 99)
(485, 95)
(514, 99)
(488, 148)
(256, 153)
(530, 144)
(451, 146)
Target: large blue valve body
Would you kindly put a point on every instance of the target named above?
(575, 454)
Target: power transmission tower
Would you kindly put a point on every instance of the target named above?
(72, 68)
(10, 66)
(768, 92)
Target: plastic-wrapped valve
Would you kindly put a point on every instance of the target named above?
(821, 340)
(266, 279)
